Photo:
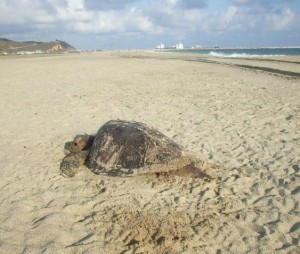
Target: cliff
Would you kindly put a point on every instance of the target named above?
(28, 47)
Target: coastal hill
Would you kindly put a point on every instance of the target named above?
(30, 47)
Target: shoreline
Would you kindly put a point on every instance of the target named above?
(240, 63)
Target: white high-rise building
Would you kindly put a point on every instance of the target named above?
(160, 46)
(179, 45)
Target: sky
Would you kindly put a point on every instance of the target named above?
(141, 24)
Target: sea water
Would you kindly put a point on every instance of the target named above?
(239, 52)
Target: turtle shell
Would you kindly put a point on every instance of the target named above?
(121, 146)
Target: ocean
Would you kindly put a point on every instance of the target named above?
(238, 52)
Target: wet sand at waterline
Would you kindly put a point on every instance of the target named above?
(241, 122)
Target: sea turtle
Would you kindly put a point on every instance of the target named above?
(121, 148)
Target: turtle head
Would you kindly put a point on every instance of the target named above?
(79, 143)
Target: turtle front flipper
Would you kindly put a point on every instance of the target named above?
(71, 163)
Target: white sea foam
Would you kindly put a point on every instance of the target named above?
(237, 55)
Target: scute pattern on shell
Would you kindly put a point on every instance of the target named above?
(121, 146)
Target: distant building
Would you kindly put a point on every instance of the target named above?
(28, 52)
(179, 45)
(160, 46)
(24, 52)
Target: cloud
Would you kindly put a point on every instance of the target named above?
(242, 1)
(261, 3)
(116, 21)
(281, 19)
(182, 21)
(176, 19)
(108, 4)
(173, 16)
(193, 4)
(153, 16)
(17, 12)
(76, 4)
(234, 18)
(74, 15)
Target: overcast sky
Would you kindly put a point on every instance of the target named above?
(123, 24)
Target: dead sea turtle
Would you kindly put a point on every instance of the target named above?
(120, 148)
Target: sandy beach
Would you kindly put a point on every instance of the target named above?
(241, 115)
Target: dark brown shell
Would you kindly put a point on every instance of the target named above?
(120, 145)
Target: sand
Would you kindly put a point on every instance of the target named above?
(244, 121)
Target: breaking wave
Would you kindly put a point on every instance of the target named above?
(237, 55)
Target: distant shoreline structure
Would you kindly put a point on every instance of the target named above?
(238, 52)
(228, 48)
(180, 46)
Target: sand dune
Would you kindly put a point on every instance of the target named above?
(243, 126)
